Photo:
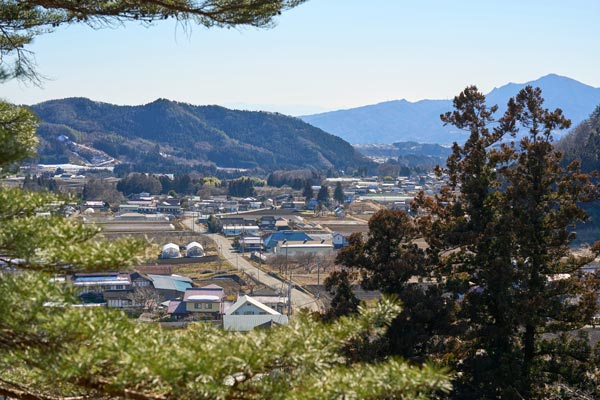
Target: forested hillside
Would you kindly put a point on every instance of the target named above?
(166, 134)
(583, 144)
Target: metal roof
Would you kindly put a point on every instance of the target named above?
(176, 307)
(202, 294)
(178, 283)
(242, 300)
(194, 244)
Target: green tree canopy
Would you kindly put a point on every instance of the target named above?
(139, 183)
(391, 260)
(17, 135)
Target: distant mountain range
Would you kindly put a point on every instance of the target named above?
(168, 136)
(401, 120)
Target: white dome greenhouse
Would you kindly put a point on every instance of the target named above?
(170, 250)
(194, 249)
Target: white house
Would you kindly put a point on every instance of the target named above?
(248, 313)
(294, 248)
(236, 230)
(340, 240)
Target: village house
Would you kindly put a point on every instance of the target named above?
(237, 230)
(295, 248)
(340, 240)
(114, 289)
(248, 313)
(170, 287)
(205, 303)
(271, 240)
(267, 223)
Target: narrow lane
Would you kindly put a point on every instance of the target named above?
(299, 299)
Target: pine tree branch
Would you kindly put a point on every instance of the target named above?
(20, 392)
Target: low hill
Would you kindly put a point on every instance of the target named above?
(166, 134)
(402, 120)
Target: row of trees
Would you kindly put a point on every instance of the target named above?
(296, 179)
(244, 186)
(323, 195)
(186, 185)
(489, 283)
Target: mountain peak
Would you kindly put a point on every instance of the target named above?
(401, 120)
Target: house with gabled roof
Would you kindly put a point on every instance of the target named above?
(340, 239)
(267, 223)
(248, 313)
(295, 248)
(205, 302)
(170, 286)
(271, 240)
(112, 288)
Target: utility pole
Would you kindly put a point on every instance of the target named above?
(289, 310)
(318, 280)
(259, 263)
(286, 257)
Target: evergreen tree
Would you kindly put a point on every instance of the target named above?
(344, 301)
(16, 147)
(390, 260)
(241, 187)
(501, 233)
(214, 224)
(338, 193)
(308, 192)
(99, 189)
(323, 195)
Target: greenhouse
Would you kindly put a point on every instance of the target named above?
(194, 249)
(170, 250)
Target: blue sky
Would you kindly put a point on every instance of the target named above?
(324, 55)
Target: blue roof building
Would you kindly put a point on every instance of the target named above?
(272, 239)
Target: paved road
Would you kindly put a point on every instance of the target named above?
(299, 299)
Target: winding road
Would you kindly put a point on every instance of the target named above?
(300, 299)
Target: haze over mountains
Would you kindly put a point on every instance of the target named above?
(401, 120)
